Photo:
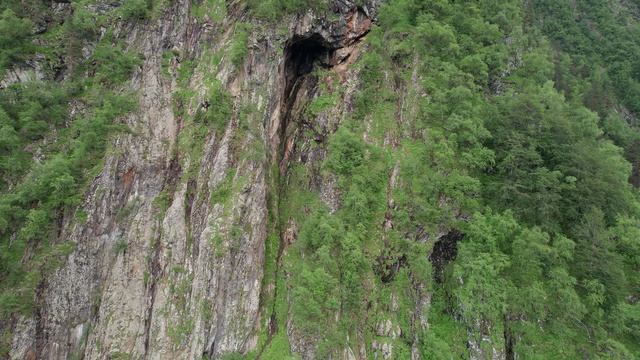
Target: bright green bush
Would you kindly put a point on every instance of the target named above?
(15, 39)
(274, 9)
(136, 9)
(43, 191)
(113, 65)
(217, 113)
(238, 49)
(346, 152)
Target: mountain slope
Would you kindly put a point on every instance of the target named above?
(305, 179)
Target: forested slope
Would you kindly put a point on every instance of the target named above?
(398, 179)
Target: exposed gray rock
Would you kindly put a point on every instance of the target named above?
(185, 282)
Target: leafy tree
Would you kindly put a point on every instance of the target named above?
(15, 38)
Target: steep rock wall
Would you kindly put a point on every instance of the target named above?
(160, 269)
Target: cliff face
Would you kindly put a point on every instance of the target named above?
(170, 262)
(330, 179)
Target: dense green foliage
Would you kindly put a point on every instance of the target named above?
(274, 9)
(47, 154)
(512, 123)
(15, 36)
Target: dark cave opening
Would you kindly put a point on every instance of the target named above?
(301, 54)
(444, 251)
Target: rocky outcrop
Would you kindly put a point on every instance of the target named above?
(161, 269)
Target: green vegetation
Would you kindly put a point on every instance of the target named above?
(238, 49)
(15, 39)
(135, 9)
(222, 192)
(120, 246)
(161, 204)
(217, 111)
(513, 124)
(326, 99)
(180, 330)
(48, 155)
(275, 9)
(212, 114)
(214, 10)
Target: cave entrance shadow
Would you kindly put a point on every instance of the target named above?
(444, 251)
(301, 54)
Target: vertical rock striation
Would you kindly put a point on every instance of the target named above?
(160, 269)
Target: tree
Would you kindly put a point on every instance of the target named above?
(15, 39)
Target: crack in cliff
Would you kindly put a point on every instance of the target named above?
(155, 274)
(326, 48)
(302, 54)
(173, 173)
(444, 251)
